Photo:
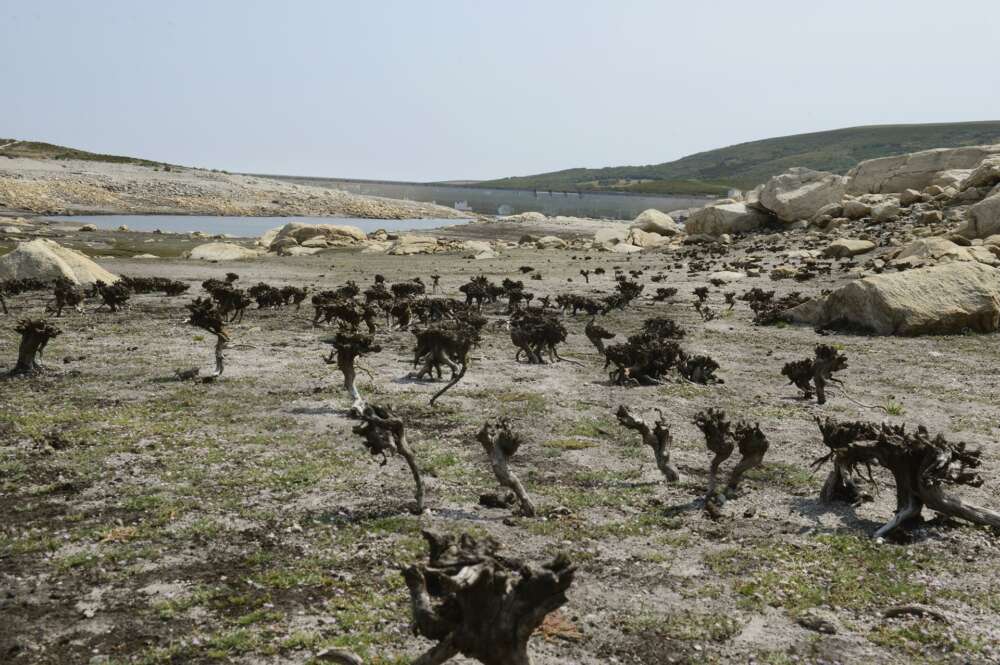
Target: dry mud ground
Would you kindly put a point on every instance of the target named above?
(149, 520)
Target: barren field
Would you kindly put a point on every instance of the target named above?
(148, 519)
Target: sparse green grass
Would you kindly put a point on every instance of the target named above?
(568, 444)
(926, 639)
(685, 626)
(840, 571)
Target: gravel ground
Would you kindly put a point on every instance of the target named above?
(152, 520)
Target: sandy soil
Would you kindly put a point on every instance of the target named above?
(150, 520)
(82, 187)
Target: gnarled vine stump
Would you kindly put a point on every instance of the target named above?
(479, 604)
(500, 443)
(35, 336)
(922, 467)
(657, 437)
(346, 349)
(204, 315)
(383, 432)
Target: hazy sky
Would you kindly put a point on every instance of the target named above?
(426, 90)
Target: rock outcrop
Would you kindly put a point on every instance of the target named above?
(984, 218)
(915, 170)
(334, 235)
(800, 193)
(46, 259)
(413, 244)
(716, 220)
(940, 300)
(654, 221)
(932, 251)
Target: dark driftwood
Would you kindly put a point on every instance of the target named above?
(383, 432)
(500, 443)
(656, 437)
(473, 602)
(35, 335)
(346, 348)
(922, 467)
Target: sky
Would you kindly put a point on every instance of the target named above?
(439, 90)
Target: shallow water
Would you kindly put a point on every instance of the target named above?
(244, 227)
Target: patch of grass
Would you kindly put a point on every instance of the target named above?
(790, 477)
(892, 407)
(926, 640)
(569, 444)
(685, 626)
(840, 571)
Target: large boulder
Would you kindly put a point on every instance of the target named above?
(987, 174)
(336, 235)
(46, 259)
(268, 237)
(525, 218)
(550, 242)
(929, 251)
(654, 221)
(846, 247)
(222, 251)
(413, 244)
(984, 218)
(915, 170)
(608, 237)
(854, 209)
(940, 300)
(800, 193)
(641, 238)
(716, 220)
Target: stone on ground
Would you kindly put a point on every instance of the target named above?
(46, 259)
(222, 251)
(413, 244)
(716, 220)
(939, 300)
(655, 221)
(800, 193)
(550, 242)
(845, 247)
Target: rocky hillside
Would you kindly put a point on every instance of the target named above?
(746, 165)
(79, 186)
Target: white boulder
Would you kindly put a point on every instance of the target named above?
(984, 218)
(608, 237)
(222, 251)
(46, 260)
(716, 220)
(846, 247)
(915, 170)
(550, 242)
(800, 193)
(654, 221)
(986, 174)
(413, 244)
(939, 300)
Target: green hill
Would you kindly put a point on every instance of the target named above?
(38, 150)
(748, 164)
